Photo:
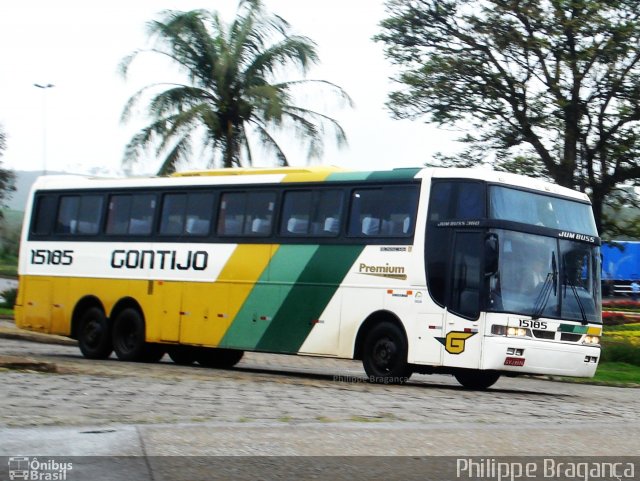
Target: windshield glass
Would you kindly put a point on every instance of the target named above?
(541, 210)
(545, 277)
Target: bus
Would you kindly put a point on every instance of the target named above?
(466, 272)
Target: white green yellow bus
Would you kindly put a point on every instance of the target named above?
(466, 272)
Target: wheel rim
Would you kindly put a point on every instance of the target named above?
(92, 333)
(128, 338)
(385, 353)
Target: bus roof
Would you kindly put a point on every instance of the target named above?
(301, 174)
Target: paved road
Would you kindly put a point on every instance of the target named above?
(285, 405)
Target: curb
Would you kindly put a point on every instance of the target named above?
(26, 364)
(21, 335)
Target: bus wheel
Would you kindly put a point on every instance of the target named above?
(183, 355)
(128, 336)
(384, 355)
(94, 338)
(218, 358)
(476, 379)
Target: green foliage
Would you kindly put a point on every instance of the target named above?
(7, 177)
(9, 240)
(9, 298)
(621, 352)
(621, 344)
(549, 88)
(233, 90)
(617, 373)
(10, 227)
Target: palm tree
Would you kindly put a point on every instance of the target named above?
(232, 92)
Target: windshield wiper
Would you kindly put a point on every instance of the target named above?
(583, 313)
(550, 282)
(579, 301)
(543, 297)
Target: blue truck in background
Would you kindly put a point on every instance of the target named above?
(620, 267)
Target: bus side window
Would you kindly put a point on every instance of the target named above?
(172, 214)
(45, 213)
(247, 214)
(456, 200)
(131, 214)
(89, 213)
(199, 213)
(142, 210)
(383, 212)
(186, 214)
(79, 214)
(67, 219)
(311, 213)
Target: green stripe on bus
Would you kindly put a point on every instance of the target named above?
(348, 176)
(265, 298)
(395, 174)
(573, 328)
(382, 175)
(308, 298)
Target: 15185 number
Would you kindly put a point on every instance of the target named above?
(52, 258)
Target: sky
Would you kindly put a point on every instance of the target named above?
(76, 46)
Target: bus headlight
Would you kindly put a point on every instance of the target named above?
(516, 331)
(591, 340)
(499, 330)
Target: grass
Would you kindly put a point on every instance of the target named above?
(617, 373)
(8, 270)
(620, 359)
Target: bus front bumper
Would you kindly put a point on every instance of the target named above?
(529, 356)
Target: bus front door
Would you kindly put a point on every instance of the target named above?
(462, 341)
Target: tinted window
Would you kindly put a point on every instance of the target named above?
(79, 214)
(438, 252)
(543, 210)
(465, 275)
(457, 200)
(45, 212)
(131, 214)
(384, 212)
(246, 214)
(186, 214)
(311, 213)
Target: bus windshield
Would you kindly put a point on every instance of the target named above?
(541, 210)
(545, 277)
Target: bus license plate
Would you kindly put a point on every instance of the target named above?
(514, 361)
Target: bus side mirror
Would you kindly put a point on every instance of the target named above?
(491, 254)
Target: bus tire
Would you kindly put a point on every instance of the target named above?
(384, 355)
(476, 379)
(218, 358)
(94, 338)
(182, 355)
(129, 336)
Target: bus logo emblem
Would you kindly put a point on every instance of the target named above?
(454, 343)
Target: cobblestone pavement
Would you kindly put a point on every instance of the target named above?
(273, 404)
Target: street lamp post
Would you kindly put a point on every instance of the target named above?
(44, 88)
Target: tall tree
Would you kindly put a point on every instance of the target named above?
(232, 88)
(7, 177)
(548, 87)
